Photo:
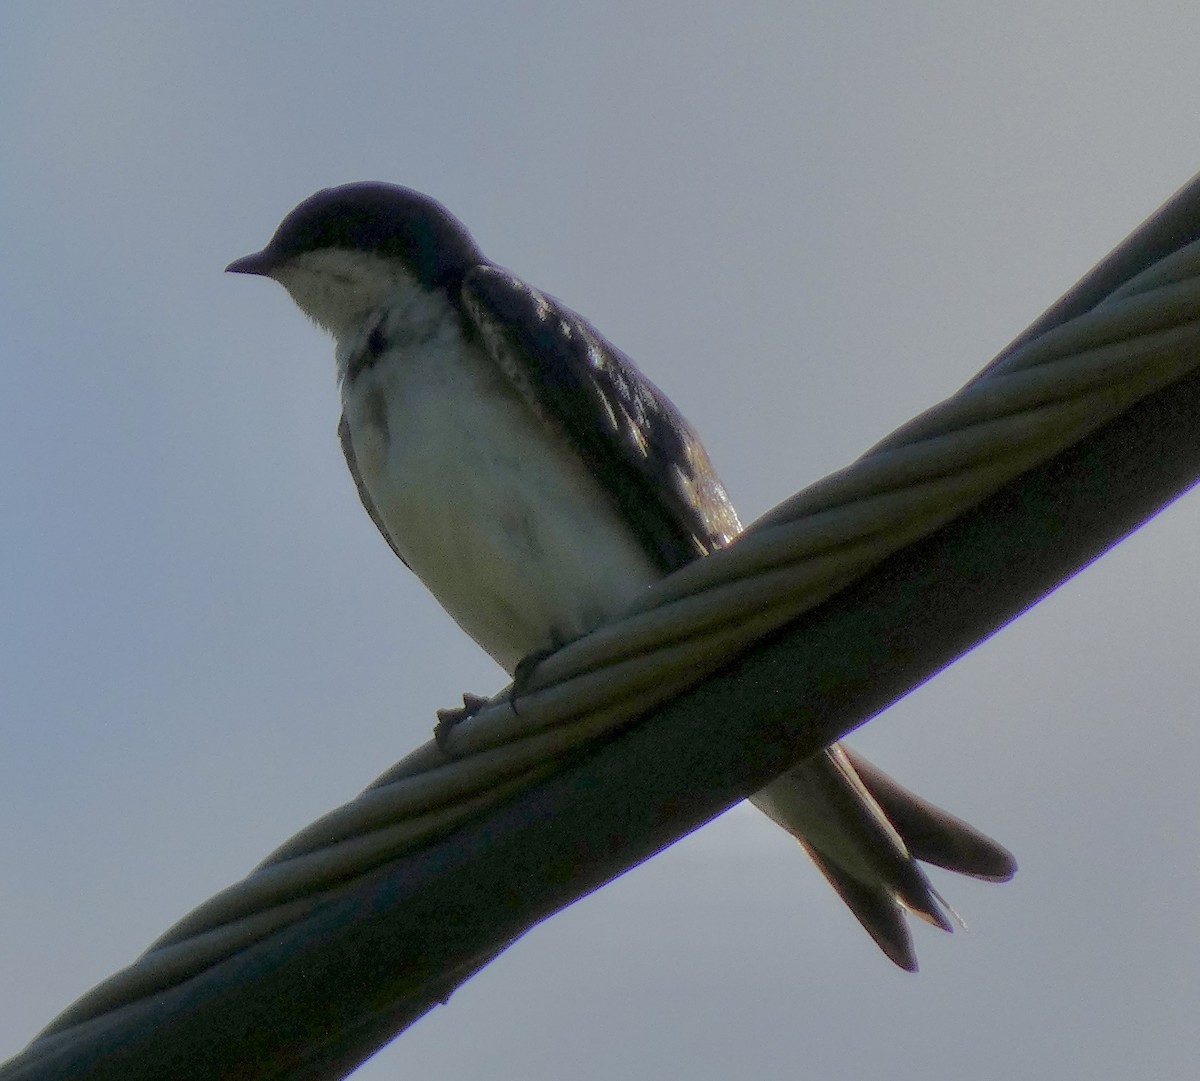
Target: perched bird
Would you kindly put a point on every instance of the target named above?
(536, 481)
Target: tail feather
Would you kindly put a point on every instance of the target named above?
(865, 833)
(933, 835)
(874, 908)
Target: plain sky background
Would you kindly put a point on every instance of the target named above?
(806, 222)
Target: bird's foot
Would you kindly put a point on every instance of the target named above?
(523, 673)
(449, 718)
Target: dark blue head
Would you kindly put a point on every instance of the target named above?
(342, 250)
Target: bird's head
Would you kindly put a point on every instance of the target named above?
(344, 251)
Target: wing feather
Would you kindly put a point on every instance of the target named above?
(369, 506)
(633, 441)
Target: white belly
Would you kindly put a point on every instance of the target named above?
(499, 519)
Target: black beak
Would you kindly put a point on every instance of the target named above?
(261, 262)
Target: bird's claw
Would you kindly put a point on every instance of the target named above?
(449, 718)
(523, 673)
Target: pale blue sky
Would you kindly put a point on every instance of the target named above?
(806, 225)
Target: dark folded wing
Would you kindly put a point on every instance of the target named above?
(623, 428)
(363, 494)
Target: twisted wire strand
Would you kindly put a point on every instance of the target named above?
(1025, 407)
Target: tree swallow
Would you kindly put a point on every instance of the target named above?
(536, 482)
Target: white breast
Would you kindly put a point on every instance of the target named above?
(496, 515)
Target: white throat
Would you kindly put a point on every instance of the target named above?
(336, 287)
